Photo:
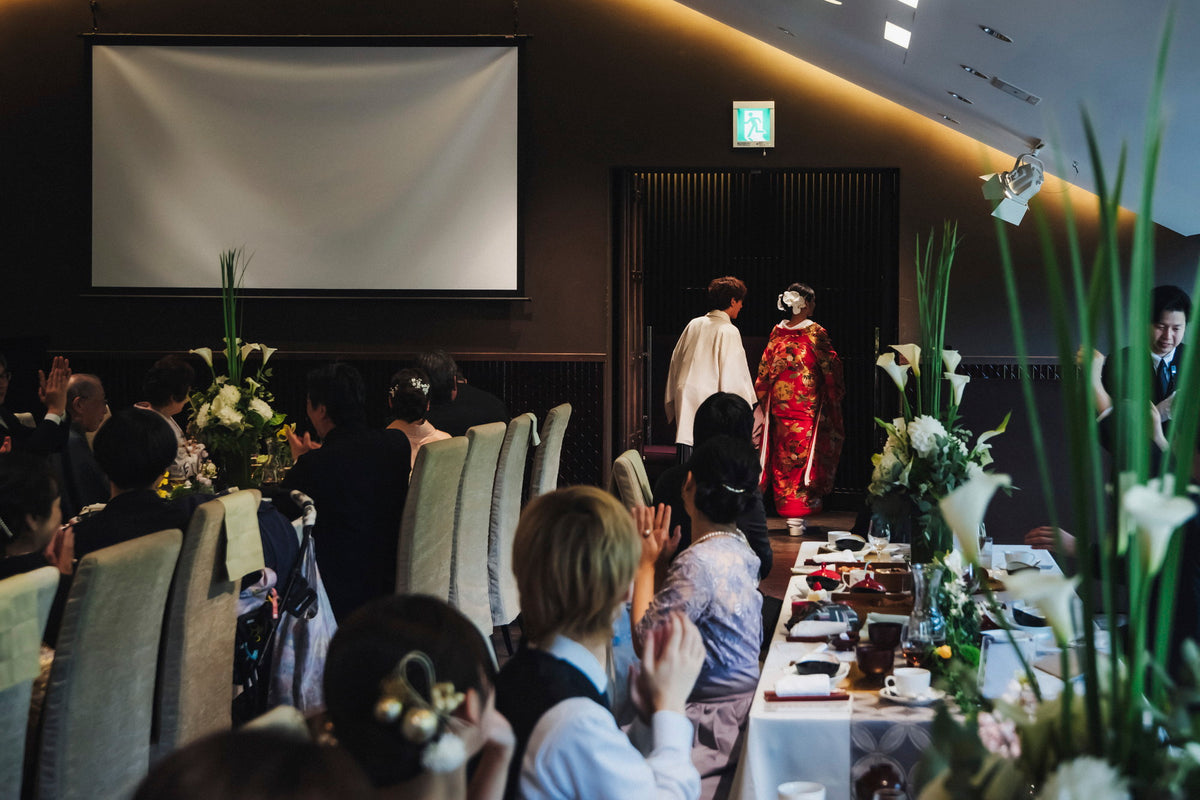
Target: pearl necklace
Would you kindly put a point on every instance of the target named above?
(735, 533)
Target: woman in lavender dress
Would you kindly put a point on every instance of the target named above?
(715, 583)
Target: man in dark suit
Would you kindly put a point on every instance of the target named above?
(50, 433)
(1170, 308)
(358, 479)
(456, 405)
(83, 481)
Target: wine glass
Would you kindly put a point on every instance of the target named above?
(879, 535)
(893, 793)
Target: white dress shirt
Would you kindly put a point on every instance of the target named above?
(708, 358)
(576, 749)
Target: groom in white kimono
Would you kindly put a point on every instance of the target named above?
(708, 358)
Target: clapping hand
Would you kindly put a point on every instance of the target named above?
(672, 657)
(52, 389)
(61, 550)
(300, 446)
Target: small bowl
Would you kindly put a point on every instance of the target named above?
(844, 642)
(874, 662)
(884, 634)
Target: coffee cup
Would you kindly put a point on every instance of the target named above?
(908, 681)
(801, 790)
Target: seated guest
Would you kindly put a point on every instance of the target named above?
(378, 676)
(715, 584)
(133, 447)
(29, 512)
(166, 388)
(84, 483)
(50, 434)
(729, 414)
(254, 765)
(456, 405)
(358, 478)
(574, 557)
(408, 397)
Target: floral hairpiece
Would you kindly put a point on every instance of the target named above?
(423, 721)
(729, 488)
(791, 300)
(415, 383)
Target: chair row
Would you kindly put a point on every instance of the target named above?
(143, 661)
(464, 498)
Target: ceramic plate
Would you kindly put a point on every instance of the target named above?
(887, 693)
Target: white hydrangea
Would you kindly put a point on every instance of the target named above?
(260, 407)
(923, 433)
(1085, 778)
(228, 396)
(229, 416)
(204, 416)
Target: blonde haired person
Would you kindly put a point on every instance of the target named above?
(575, 555)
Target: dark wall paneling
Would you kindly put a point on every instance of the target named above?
(535, 386)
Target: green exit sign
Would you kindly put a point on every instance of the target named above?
(753, 123)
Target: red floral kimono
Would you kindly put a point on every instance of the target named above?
(800, 387)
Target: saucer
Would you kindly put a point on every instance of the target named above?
(933, 696)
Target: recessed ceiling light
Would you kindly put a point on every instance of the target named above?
(910, 3)
(995, 34)
(972, 71)
(834, 2)
(958, 96)
(785, 30)
(896, 35)
(951, 120)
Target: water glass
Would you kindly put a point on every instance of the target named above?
(879, 534)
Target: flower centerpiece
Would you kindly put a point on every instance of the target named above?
(233, 416)
(1129, 725)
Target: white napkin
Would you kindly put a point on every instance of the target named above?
(837, 555)
(802, 685)
(812, 627)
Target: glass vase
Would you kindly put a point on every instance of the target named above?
(926, 628)
(233, 465)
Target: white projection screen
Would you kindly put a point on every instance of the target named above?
(341, 169)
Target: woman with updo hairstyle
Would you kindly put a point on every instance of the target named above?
(408, 398)
(714, 582)
(409, 692)
(800, 389)
(30, 513)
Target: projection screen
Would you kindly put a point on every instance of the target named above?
(339, 168)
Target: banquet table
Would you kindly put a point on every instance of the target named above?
(832, 742)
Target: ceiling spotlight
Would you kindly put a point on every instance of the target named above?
(975, 72)
(834, 2)
(1013, 190)
(896, 35)
(995, 34)
(950, 119)
(958, 96)
(785, 30)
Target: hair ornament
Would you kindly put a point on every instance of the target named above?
(413, 382)
(791, 301)
(729, 488)
(6, 531)
(422, 721)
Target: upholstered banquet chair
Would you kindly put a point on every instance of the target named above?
(506, 510)
(96, 718)
(426, 550)
(629, 481)
(547, 455)
(24, 607)
(469, 571)
(194, 690)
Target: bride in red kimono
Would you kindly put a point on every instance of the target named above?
(800, 390)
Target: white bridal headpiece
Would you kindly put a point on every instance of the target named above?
(791, 301)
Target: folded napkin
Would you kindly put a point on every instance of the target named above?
(874, 616)
(243, 544)
(837, 555)
(813, 627)
(802, 685)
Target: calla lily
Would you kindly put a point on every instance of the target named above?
(1156, 515)
(964, 507)
(205, 353)
(247, 349)
(999, 429)
(266, 352)
(958, 383)
(898, 373)
(1053, 595)
(950, 359)
(912, 354)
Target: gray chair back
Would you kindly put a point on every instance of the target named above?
(547, 455)
(194, 690)
(469, 573)
(96, 719)
(629, 481)
(426, 549)
(26, 599)
(506, 510)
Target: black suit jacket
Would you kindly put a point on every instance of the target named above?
(1156, 393)
(472, 406)
(45, 438)
(358, 481)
